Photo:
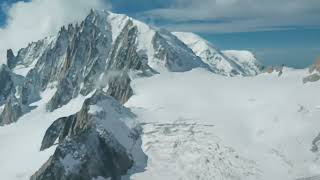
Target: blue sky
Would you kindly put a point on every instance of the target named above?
(287, 34)
(4, 5)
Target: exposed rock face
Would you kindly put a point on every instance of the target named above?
(102, 140)
(85, 59)
(6, 83)
(314, 71)
(102, 60)
(30, 91)
(10, 86)
(13, 109)
(315, 144)
(173, 53)
(119, 87)
(311, 78)
(27, 56)
(11, 60)
(125, 55)
(11, 112)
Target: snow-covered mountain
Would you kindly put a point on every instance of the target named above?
(65, 99)
(83, 56)
(229, 63)
(101, 54)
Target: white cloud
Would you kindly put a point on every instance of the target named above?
(31, 21)
(237, 15)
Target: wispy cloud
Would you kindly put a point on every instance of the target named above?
(243, 15)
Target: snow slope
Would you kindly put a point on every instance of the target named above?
(212, 127)
(245, 59)
(215, 127)
(228, 63)
(20, 143)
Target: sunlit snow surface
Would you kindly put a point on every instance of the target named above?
(203, 126)
(198, 125)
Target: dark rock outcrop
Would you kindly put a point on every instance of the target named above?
(125, 56)
(31, 88)
(315, 144)
(6, 83)
(11, 112)
(13, 109)
(11, 59)
(314, 71)
(174, 54)
(98, 141)
(311, 78)
(10, 86)
(119, 87)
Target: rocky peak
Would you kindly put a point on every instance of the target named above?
(11, 60)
